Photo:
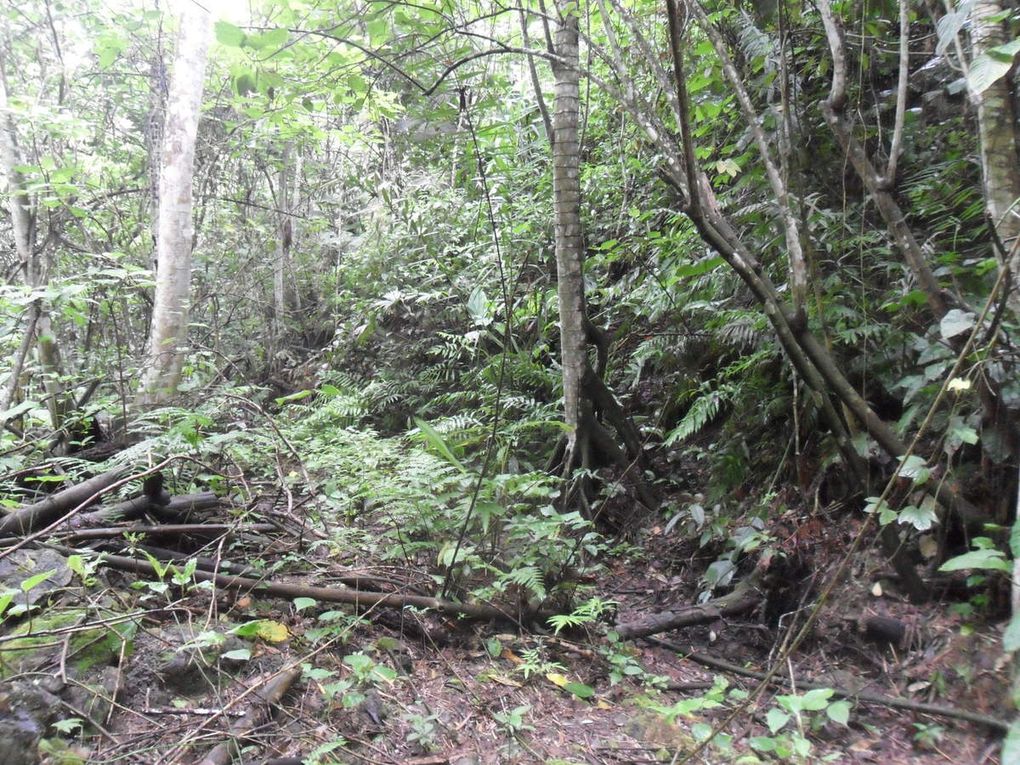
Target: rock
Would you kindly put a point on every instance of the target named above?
(26, 711)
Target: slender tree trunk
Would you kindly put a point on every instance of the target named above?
(569, 240)
(877, 185)
(168, 333)
(33, 269)
(284, 233)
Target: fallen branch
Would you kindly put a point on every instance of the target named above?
(167, 530)
(740, 601)
(31, 517)
(322, 594)
(267, 697)
(877, 699)
(159, 507)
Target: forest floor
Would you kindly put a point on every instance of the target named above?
(400, 686)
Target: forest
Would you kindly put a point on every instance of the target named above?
(456, 382)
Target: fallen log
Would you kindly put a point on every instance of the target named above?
(202, 562)
(167, 530)
(740, 601)
(267, 697)
(326, 594)
(160, 506)
(28, 519)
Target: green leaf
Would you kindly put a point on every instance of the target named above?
(274, 38)
(989, 560)
(241, 654)
(991, 66)
(839, 712)
(378, 30)
(921, 518)
(1011, 638)
(886, 514)
(776, 719)
(301, 394)
(915, 468)
(300, 604)
(229, 35)
(580, 690)
(433, 437)
(1011, 746)
(5, 600)
(36, 580)
(816, 700)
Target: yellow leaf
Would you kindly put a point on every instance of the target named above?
(556, 679)
(603, 704)
(272, 632)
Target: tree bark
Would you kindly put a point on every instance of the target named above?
(569, 240)
(168, 333)
(23, 223)
(1000, 144)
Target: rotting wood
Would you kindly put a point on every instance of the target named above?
(877, 699)
(27, 519)
(326, 594)
(741, 600)
(267, 697)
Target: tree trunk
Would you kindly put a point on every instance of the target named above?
(569, 241)
(1000, 145)
(168, 333)
(284, 233)
(32, 267)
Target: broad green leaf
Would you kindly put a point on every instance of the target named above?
(776, 719)
(229, 35)
(990, 560)
(241, 654)
(839, 712)
(580, 690)
(1011, 638)
(915, 468)
(991, 66)
(274, 38)
(816, 700)
(378, 30)
(300, 604)
(921, 518)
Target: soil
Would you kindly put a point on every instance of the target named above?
(386, 686)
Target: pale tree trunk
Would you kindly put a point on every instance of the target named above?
(1000, 168)
(1000, 148)
(569, 241)
(175, 229)
(584, 390)
(284, 233)
(33, 270)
